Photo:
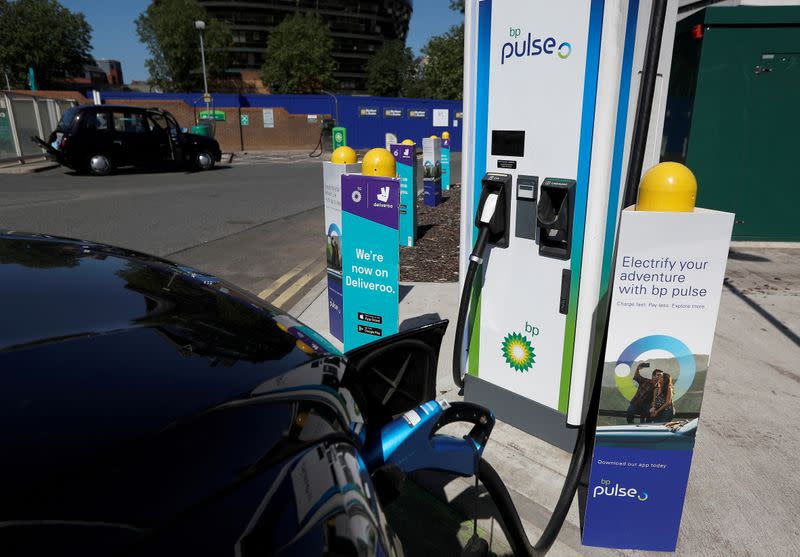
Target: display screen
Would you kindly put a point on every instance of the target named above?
(507, 143)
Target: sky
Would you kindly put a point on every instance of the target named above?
(114, 32)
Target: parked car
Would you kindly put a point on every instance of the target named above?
(99, 138)
(677, 435)
(151, 409)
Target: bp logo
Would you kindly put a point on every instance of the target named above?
(518, 352)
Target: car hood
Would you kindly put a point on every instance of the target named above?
(101, 346)
(200, 139)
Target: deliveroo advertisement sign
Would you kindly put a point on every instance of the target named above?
(406, 160)
(445, 154)
(370, 258)
(666, 294)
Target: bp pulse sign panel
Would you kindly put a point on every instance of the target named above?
(536, 73)
(332, 184)
(667, 288)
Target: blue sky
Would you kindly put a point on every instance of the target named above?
(115, 37)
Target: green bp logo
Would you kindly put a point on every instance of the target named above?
(518, 352)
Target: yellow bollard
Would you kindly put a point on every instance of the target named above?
(378, 162)
(408, 142)
(344, 155)
(445, 135)
(668, 187)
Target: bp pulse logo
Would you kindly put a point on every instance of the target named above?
(518, 352)
(605, 489)
(525, 46)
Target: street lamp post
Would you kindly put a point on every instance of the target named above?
(200, 26)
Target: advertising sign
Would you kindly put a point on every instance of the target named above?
(441, 117)
(244, 120)
(445, 164)
(406, 159)
(217, 115)
(417, 113)
(392, 112)
(367, 111)
(269, 117)
(370, 258)
(332, 189)
(432, 168)
(666, 294)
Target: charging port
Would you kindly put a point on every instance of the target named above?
(554, 217)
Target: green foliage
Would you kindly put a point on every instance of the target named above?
(457, 5)
(298, 57)
(167, 29)
(44, 35)
(390, 69)
(443, 66)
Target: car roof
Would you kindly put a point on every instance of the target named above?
(93, 107)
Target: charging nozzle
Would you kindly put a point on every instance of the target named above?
(494, 209)
(492, 219)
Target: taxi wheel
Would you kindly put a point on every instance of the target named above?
(204, 160)
(99, 165)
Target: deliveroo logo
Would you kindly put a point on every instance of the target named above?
(518, 352)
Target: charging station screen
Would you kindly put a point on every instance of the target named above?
(508, 143)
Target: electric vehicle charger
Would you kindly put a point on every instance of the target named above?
(493, 230)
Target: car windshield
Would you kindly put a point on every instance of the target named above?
(67, 119)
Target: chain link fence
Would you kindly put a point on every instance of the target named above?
(22, 117)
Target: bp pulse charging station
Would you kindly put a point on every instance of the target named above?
(549, 104)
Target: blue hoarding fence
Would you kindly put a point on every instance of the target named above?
(367, 119)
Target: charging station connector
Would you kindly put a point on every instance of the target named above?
(494, 208)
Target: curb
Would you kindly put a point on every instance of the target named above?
(305, 302)
(28, 168)
(746, 244)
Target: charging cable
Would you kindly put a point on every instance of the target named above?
(492, 223)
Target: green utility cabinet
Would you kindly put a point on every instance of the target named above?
(733, 115)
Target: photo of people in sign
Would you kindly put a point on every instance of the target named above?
(653, 402)
(333, 250)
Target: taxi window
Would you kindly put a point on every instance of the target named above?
(96, 121)
(129, 122)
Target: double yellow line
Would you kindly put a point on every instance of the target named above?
(302, 274)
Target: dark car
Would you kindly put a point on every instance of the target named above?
(150, 409)
(99, 138)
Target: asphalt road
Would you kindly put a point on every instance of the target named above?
(257, 224)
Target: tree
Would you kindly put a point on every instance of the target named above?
(390, 69)
(167, 29)
(44, 35)
(298, 57)
(443, 67)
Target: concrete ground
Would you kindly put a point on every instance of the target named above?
(743, 493)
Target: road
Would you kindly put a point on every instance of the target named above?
(257, 224)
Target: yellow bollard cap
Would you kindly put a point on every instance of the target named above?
(408, 142)
(378, 162)
(344, 155)
(434, 136)
(668, 187)
(445, 135)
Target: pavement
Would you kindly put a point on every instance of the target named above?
(743, 492)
